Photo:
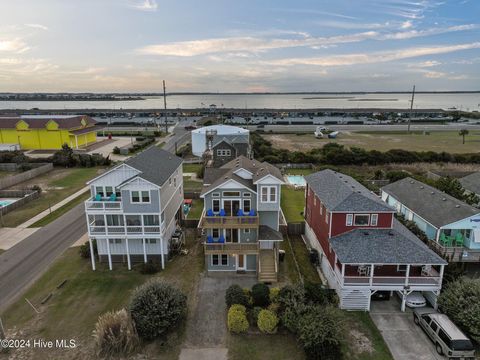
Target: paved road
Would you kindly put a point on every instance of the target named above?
(180, 137)
(22, 264)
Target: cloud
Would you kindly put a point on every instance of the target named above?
(425, 64)
(375, 57)
(145, 5)
(259, 44)
(37, 26)
(317, 12)
(17, 46)
(406, 24)
(434, 74)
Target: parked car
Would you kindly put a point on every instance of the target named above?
(414, 299)
(449, 340)
(190, 127)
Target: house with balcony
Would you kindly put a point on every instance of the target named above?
(363, 248)
(452, 226)
(241, 216)
(134, 209)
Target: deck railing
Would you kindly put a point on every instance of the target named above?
(456, 253)
(229, 247)
(122, 230)
(219, 222)
(91, 205)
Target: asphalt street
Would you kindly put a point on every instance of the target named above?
(22, 264)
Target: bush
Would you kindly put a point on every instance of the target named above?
(260, 294)
(267, 322)
(238, 307)
(36, 188)
(235, 295)
(201, 172)
(248, 294)
(255, 312)
(116, 150)
(291, 300)
(115, 334)
(320, 331)
(237, 320)
(156, 307)
(319, 295)
(274, 293)
(460, 300)
(84, 249)
(148, 268)
(275, 307)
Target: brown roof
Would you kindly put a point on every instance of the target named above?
(86, 130)
(39, 122)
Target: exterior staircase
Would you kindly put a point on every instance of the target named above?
(267, 268)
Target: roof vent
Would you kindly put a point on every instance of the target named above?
(391, 233)
(457, 206)
(433, 193)
(444, 199)
(365, 233)
(411, 181)
(421, 187)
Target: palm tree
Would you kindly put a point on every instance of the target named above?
(463, 133)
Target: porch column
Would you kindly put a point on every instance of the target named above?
(92, 254)
(372, 267)
(163, 260)
(440, 281)
(437, 237)
(404, 300)
(76, 141)
(407, 275)
(343, 270)
(128, 255)
(109, 254)
(144, 251)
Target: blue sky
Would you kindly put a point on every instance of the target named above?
(262, 45)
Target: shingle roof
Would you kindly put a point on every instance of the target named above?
(39, 122)
(339, 192)
(471, 182)
(433, 205)
(267, 233)
(156, 165)
(258, 170)
(383, 246)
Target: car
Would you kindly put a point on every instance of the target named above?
(414, 299)
(190, 127)
(449, 340)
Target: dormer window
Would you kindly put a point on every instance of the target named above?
(140, 196)
(374, 220)
(349, 221)
(361, 219)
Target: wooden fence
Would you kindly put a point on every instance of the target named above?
(24, 176)
(25, 197)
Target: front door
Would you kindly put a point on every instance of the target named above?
(240, 262)
(231, 235)
(231, 207)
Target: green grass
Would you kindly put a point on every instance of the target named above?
(299, 171)
(264, 347)
(61, 210)
(71, 182)
(191, 168)
(196, 209)
(191, 185)
(308, 271)
(72, 311)
(292, 202)
(2, 251)
(287, 269)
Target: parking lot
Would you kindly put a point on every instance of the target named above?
(405, 340)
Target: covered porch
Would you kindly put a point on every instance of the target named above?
(458, 244)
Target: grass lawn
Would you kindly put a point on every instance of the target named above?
(60, 183)
(308, 271)
(264, 347)
(73, 309)
(292, 202)
(191, 168)
(191, 185)
(196, 209)
(439, 141)
(61, 210)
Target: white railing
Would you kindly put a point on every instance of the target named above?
(102, 205)
(121, 230)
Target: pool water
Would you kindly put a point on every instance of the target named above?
(5, 202)
(297, 180)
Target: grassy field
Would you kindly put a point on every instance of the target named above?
(57, 185)
(264, 347)
(73, 309)
(191, 168)
(191, 185)
(439, 141)
(196, 209)
(300, 252)
(292, 203)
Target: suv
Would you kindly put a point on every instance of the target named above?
(447, 337)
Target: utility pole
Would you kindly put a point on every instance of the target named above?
(165, 107)
(411, 109)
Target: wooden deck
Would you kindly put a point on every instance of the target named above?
(228, 222)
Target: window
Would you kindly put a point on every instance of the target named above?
(444, 337)
(434, 326)
(215, 233)
(215, 260)
(162, 217)
(114, 220)
(247, 195)
(135, 197)
(349, 221)
(402, 268)
(99, 191)
(361, 220)
(140, 196)
(150, 220)
(246, 205)
(216, 205)
(175, 181)
(426, 318)
(269, 193)
(150, 241)
(224, 259)
(115, 241)
(108, 190)
(231, 193)
(215, 194)
(133, 220)
(170, 181)
(224, 152)
(220, 260)
(374, 220)
(467, 233)
(246, 231)
(145, 196)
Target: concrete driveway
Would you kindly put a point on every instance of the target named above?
(405, 340)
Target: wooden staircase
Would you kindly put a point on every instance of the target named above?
(267, 266)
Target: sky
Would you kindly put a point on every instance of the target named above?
(239, 46)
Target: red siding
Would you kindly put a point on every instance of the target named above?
(339, 224)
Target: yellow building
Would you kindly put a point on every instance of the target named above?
(48, 132)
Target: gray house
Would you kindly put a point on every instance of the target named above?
(134, 208)
(471, 183)
(225, 149)
(241, 218)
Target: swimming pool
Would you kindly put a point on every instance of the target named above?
(6, 202)
(296, 180)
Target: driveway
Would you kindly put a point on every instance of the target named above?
(207, 326)
(405, 340)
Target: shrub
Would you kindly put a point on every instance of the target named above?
(248, 294)
(319, 295)
(84, 249)
(320, 331)
(275, 307)
(148, 268)
(156, 307)
(260, 294)
(116, 150)
(115, 334)
(267, 322)
(274, 293)
(235, 295)
(201, 172)
(255, 312)
(238, 307)
(291, 300)
(461, 302)
(36, 188)
(237, 320)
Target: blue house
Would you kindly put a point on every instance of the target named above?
(452, 226)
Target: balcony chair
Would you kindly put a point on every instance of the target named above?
(363, 270)
(252, 212)
(209, 239)
(221, 239)
(445, 240)
(240, 212)
(459, 240)
(98, 197)
(222, 212)
(426, 270)
(112, 197)
(210, 212)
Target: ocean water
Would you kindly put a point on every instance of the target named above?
(467, 102)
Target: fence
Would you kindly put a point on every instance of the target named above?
(379, 183)
(190, 223)
(9, 167)
(296, 228)
(24, 176)
(24, 195)
(286, 166)
(191, 194)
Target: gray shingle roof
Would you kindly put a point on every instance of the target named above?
(431, 204)
(267, 233)
(156, 165)
(471, 182)
(383, 246)
(339, 192)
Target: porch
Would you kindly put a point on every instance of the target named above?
(456, 253)
(224, 222)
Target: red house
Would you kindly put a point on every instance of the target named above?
(363, 248)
